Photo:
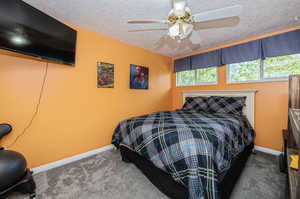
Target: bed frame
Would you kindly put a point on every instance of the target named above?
(166, 184)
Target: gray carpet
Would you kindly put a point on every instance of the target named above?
(105, 176)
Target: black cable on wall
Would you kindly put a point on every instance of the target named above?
(36, 108)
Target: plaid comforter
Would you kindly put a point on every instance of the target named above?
(192, 147)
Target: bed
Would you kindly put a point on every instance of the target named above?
(187, 153)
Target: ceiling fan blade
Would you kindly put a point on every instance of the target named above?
(218, 23)
(186, 45)
(195, 37)
(147, 21)
(160, 43)
(165, 40)
(151, 29)
(193, 46)
(227, 12)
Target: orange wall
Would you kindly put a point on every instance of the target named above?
(75, 116)
(271, 100)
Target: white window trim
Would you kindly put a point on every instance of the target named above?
(201, 83)
(261, 80)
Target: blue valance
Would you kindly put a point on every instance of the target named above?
(279, 45)
(182, 64)
(283, 44)
(205, 60)
(243, 52)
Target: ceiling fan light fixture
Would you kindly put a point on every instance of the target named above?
(180, 31)
(173, 31)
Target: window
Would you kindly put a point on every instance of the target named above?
(246, 71)
(275, 68)
(197, 77)
(283, 66)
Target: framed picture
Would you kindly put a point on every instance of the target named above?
(105, 73)
(139, 77)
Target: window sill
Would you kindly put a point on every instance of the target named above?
(201, 84)
(259, 81)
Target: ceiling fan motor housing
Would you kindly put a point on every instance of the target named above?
(186, 18)
(181, 25)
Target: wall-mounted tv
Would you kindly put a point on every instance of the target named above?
(26, 30)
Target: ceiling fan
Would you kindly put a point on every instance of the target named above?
(182, 22)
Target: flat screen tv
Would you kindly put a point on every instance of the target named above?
(26, 30)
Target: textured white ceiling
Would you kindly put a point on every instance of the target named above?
(109, 18)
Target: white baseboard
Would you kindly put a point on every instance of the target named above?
(267, 150)
(70, 159)
(74, 158)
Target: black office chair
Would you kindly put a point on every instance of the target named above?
(14, 175)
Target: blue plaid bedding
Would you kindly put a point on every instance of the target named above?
(192, 147)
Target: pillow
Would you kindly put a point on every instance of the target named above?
(198, 104)
(230, 105)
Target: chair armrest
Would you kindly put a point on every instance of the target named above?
(5, 129)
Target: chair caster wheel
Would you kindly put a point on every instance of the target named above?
(33, 195)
